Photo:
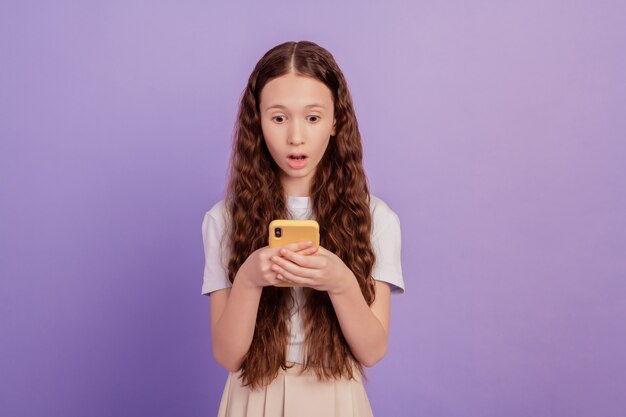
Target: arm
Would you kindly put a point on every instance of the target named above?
(365, 327)
(234, 309)
(233, 317)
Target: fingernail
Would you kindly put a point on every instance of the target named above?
(283, 251)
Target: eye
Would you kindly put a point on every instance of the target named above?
(278, 117)
(316, 117)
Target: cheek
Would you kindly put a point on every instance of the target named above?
(271, 147)
(270, 135)
(265, 130)
(321, 147)
(322, 134)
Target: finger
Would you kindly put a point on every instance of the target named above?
(322, 251)
(298, 259)
(288, 276)
(282, 265)
(283, 280)
(297, 246)
(308, 251)
(311, 262)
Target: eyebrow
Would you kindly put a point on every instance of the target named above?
(280, 106)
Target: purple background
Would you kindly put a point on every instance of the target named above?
(496, 130)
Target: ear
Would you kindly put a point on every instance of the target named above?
(334, 132)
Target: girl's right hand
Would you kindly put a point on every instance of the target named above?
(256, 271)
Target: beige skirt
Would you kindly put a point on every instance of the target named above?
(292, 394)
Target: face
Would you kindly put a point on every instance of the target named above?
(297, 119)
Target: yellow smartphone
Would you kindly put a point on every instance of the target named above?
(284, 232)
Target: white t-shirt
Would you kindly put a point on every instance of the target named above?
(385, 240)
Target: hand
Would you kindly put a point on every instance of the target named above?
(256, 270)
(324, 272)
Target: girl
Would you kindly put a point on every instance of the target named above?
(299, 351)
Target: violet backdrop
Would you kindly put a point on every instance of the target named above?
(496, 131)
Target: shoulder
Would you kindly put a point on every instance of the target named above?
(215, 248)
(386, 243)
(378, 205)
(215, 219)
(217, 213)
(382, 214)
(218, 209)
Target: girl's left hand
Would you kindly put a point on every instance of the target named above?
(323, 271)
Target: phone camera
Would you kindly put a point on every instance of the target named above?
(278, 232)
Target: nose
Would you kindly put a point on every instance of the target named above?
(296, 134)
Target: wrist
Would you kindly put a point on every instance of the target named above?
(243, 280)
(345, 284)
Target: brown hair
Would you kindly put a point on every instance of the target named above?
(340, 203)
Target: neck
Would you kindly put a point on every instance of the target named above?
(296, 187)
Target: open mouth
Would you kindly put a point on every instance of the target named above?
(297, 160)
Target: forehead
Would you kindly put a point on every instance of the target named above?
(295, 91)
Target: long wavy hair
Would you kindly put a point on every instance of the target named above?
(340, 203)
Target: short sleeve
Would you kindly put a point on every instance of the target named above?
(386, 241)
(215, 271)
